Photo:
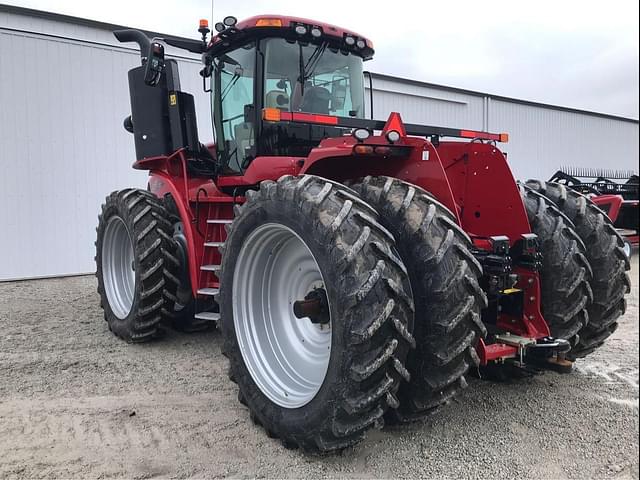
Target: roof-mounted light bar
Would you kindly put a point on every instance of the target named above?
(306, 31)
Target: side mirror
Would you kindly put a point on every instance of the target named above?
(154, 65)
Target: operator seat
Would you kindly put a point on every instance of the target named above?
(277, 99)
(316, 100)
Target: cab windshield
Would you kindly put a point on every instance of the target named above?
(312, 78)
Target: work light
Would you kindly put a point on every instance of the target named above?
(230, 21)
(393, 136)
(361, 134)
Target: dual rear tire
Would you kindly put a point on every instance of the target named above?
(300, 235)
(599, 250)
(444, 277)
(566, 274)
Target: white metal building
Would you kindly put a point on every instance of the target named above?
(64, 95)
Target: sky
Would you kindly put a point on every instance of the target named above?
(580, 54)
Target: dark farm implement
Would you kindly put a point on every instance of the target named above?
(357, 268)
(616, 192)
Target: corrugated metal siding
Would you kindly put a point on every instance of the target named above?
(64, 148)
(543, 140)
(426, 105)
(64, 95)
(30, 23)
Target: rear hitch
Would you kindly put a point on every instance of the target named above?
(550, 354)
(532, 354)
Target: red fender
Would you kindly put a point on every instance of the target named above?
(160, 184)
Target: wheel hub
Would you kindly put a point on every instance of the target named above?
(315, 307)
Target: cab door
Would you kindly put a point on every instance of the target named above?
(234, 111)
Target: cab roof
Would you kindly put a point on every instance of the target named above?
(285, 26)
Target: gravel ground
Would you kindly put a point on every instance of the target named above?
(77, 402)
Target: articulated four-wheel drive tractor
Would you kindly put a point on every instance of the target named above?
(357, 269)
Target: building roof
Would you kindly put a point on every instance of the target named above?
(110, 26)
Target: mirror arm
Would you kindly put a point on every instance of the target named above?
(154, 65)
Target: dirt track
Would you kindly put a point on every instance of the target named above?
(77, 402)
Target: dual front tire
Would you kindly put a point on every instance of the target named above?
(135, 264)
(141, 264)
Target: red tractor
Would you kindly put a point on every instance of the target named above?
(357, 268)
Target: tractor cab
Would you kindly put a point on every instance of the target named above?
(267, 68)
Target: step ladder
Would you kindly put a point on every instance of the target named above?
(208, 269)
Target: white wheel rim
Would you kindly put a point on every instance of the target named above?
(118, 274)
(287, 357)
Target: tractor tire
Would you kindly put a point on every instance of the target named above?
(135, 255)
(566, 272)
(605, 251)
(318, 386)
(182, 316)
(445, 282)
